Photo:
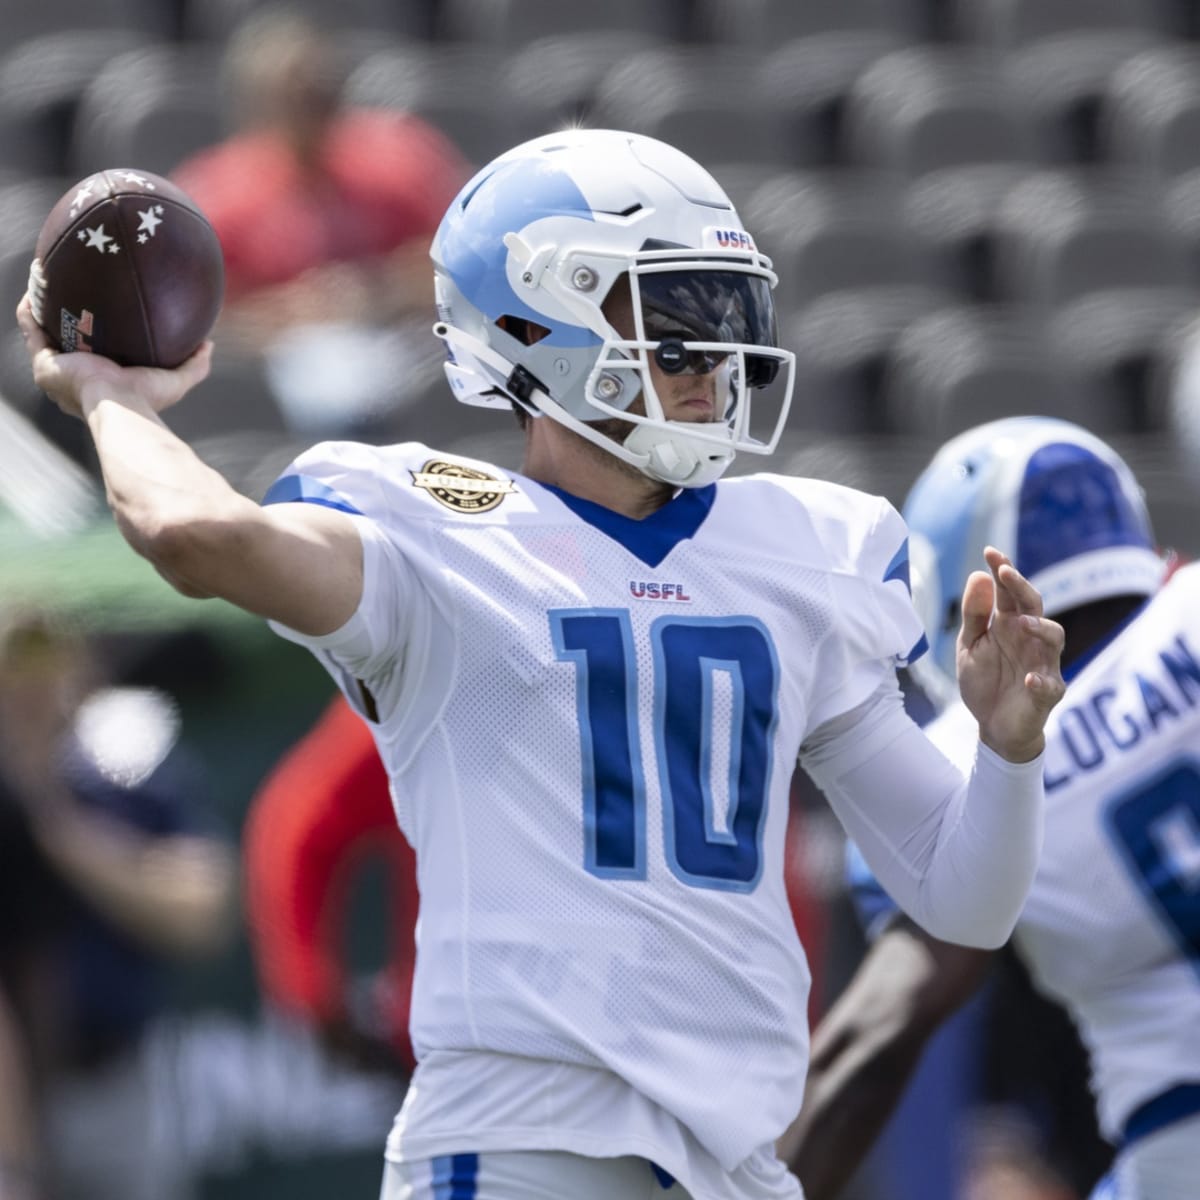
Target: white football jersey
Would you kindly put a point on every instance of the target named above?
(1111, 927)
(591, 724)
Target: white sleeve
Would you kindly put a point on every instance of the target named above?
(957, 853)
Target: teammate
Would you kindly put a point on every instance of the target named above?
(1112, 925)
(590, 681)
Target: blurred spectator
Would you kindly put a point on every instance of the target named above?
(316, 820)
(119, 876)
(325, 213)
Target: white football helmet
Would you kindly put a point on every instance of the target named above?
(532, 246)
(1059, 501)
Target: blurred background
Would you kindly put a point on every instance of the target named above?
(976, 208)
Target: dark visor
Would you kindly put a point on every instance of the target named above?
(712, 306)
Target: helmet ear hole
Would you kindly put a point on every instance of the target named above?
(527, 332)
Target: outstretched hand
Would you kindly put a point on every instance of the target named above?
(1009, 659)
(74, 381)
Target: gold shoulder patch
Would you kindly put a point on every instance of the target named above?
(461, 488)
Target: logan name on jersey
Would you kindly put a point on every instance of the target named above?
(1114, 719)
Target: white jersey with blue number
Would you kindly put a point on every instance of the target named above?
(1111, 927)
(590, 724)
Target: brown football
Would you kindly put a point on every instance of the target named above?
(127, 266)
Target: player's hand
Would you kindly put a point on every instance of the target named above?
(1009, 659)
(75, 382)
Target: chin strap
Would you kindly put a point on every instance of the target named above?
(675, 458)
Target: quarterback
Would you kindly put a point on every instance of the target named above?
(590, 681)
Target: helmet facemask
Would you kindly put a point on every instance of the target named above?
(553, 237)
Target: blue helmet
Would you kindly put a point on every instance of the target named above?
(532, 246)
(1058, 500)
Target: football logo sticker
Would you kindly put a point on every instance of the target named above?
(461, 488)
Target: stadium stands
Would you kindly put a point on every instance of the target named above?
(975, 206)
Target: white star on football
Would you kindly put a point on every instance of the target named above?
(135, 178)
(82, 194)
(97, 239)
(149, 223)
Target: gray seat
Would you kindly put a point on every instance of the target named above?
(455, 88)
(1150, 112)
(926, 108)
(214, 20)
(954, 213)
(1064, 234)
(808, 81)
(1116, 344)
(707, 102)
(553, 81)
(512, 24)
(842, 343)
(151, 108)
(1181, 199)
(1009, 23)
(960, 367)
(765, 24)
(831, 231)
(42, 84)
(26, 19)
(1063, 81)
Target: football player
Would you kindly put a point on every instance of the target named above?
(590, 681)
(1111, 928)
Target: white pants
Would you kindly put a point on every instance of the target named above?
(528, 1175)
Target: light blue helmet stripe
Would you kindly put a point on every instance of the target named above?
(470, 241)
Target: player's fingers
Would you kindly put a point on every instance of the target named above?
(1047, 687)
(31, 331)
(1014, 593)
(197, 367)
(1049, 633)
(977, 600)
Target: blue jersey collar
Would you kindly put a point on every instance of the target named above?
(654, 537)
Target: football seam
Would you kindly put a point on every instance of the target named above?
(129, 241)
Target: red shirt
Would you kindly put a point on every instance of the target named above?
(385, 178)
(322, 812)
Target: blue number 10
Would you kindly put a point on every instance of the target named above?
(713, 775)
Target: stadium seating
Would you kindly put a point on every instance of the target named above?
(215, 20)
(511, 24)
(1150, 112)
(1008, 23)
(954, 214)
(1064, 234)
(972, 204)
(925, 108)
(150, 107)
(42, 80)
(959, 367)
(843, 343)
(808, 80)
(456, 87)
(1063, 81)
(765, 24)
(832, 232)
(27, 19)
(1118, 345)
(553, 81)
(709, 102)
